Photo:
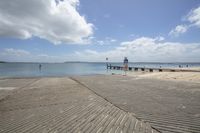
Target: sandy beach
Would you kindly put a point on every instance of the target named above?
(172, 76)
(189, 68)
(160, 101)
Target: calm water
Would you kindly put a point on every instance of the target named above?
(69, 69)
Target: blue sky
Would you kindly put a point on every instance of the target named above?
(88, 30)
(120, 19)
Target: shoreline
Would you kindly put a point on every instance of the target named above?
(168, 76)
(60, 76)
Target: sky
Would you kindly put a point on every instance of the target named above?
(92, 30)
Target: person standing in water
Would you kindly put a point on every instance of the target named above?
(125, 64)
(40, 67)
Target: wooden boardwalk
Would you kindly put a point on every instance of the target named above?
(61, 105)
(151, 69)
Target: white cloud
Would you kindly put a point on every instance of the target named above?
(105, 41)
(89, 52)
(45, 56)
(138, 50)
(160, 38)
(179, 29)
(57, 22)
(146, 49)
(113, 40)
(193, 17)
(100, 42)
(15, 52)
(20, 55)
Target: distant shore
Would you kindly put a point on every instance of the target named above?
(31, 70)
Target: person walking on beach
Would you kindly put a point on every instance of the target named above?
(125, 64)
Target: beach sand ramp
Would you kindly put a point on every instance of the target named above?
(169, 106)
(61, 105)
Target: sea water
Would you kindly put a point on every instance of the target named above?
(73, 68)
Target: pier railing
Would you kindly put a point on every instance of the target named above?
(145, 69)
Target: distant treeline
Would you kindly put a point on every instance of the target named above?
(2, 62)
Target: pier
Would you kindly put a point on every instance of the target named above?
(146, 69)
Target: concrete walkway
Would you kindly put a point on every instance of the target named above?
(168, 106)
(60, 105)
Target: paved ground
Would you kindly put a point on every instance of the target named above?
(168, 106)
(60, 105)
(6, 85)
